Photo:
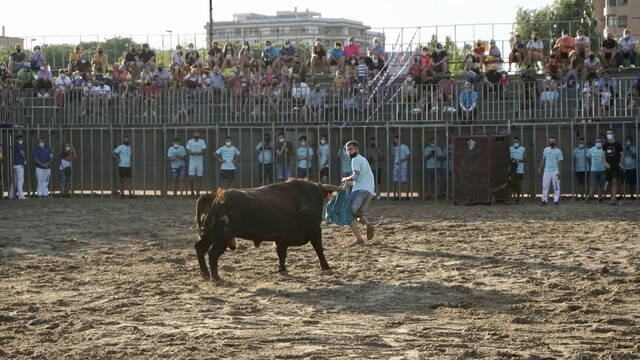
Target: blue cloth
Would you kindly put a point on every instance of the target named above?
(44, 155)
(338, 210)
(17, 158)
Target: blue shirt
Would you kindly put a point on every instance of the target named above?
(124, 152)
(181, 152)
(336, 53)
(432, 162)
(580, 156)
(468, 98)
(365, 180)
(266, 155)
(228, 153)
(400, 152)
(629, 162)
(304, 151)
(518, 154)
(323, 155)
(44, 155)
(196, 146)
(17, 158)
(552, 157)
(597, 164)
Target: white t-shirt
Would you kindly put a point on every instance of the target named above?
(551, 158)
(365, 180)
(323, 155)
(266, 155)
(196, 146)
(305, 151)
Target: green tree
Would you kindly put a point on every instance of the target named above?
(550, 20)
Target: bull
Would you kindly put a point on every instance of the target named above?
(288, 214)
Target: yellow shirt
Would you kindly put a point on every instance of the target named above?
(74, 57)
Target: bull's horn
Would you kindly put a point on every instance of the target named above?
(329, 187)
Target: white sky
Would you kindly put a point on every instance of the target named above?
(99, 20)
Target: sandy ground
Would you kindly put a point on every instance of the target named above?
(118, 279)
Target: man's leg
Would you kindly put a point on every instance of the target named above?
(546, 182)
(556, 187)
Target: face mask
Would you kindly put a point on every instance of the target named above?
(535, 39)
(353, 62)
(41, 68)
(83, 61)
(245, 47)
(286, 46)
(228, 143)
(598, 145)
(626, 36)
(424, 53)
(336, 47)
(552, 144)
(579, 37)
(176, 145)
(564, 36)
(628, 143)
(433, 144)
(281, 140)
(409, 79)
(37, 51)
(190, 48)
(323, 141)
(438, 51)
(2, 67)
(610, 137)
(41, 145)
(67, 148)
(127, 143)
(89, 84)
(375, 62)
(581, 146)
(548, 78)
(303, 143)
(516, 145)
(469, 61)
(20, 142)
(268, 47)
(78, 77)
(504, 75)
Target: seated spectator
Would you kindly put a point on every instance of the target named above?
(177, 76)
(634, 94)
(574, 68)
(217, 81)
(517, 54)
(146, 74)
(440, 59)
(192, 57)
(26, 78)
(376, 64)
(44, 81)
(318, 54)
(608, 81)
(582, 44)
(446, 86)
(336, 56)
(269, 56)
(149, 92)
(495, 52)
(17, 60)
(535, 48)
(549, 94)
(178, 57)
(468, 103)
(287, 53)
(130, 61)
(426, 67)
(37, 58)
(228, 56)
(245, 56)
(297, 67)
(609, 51)
(254, 74)
(83, 66)
(193, 81)
(316, 104)
(591, 66)
(147, 58)
(504, 84)
(299, 93)
(4, 72)
(74, 57)
(471, 69)
(161, 77)
(99, 61)
(492, 82)
(121, 79)
(101, 94)
(269, 76)
(351, 49)
(478, 52)
(415, 69)
(77, 87)
(528, 88)
(214, 56)
(378, 50)
(62, 86)
(563, 45)
(627, 49)
(554, 65)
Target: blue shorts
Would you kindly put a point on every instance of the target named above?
(178, 172)
(359, 201)
(400, 174)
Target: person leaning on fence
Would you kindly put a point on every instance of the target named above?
(43, 157)
(65, 170)
(581, 169)
(517, 154)
(361, 193)
(123, 155)
(177, 155)
(19, 164)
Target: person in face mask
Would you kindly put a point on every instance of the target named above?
(581, 169)
(433, 157)
(401, 157)
(67, 155)
(627, 49)
(123, 156)
(287, 52)
(535, 48)
(336, 56)
(591, 65)
(440, 59)
(552, 165)
(269, 56)
(564, 44)
(195, 149)
(37, 58)
(228, 155)
(177, 155)
(45, 81)
(318, 54)
(264, 149)
(43, 156)
(99, 61)
(517, 152)
(597, 170)
(361, 193)
(446, 89)
(613, 153)
(83, 66)
(16, 188)
(304, 156)
(351, 49)
(17, 59)
(549, 95)
(284, 155)
(630, 166)
(323, 159)
(581, 44)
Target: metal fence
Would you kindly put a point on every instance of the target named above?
(95, 170)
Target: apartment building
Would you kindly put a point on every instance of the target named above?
(616, 15)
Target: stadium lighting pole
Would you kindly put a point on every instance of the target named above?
(210, 23)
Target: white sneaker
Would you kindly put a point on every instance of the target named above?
(153, 113)
(83, 113)
(144, 113)
(632, 66)
(378, 197)
(416, 110)
(39, 95)
(620, 67)
(46, 95)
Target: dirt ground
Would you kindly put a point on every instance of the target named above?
(100, 278)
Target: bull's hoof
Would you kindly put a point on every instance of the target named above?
(217, 281)
(232, 244)
(205, 275)
(326, 268)
(283, 270)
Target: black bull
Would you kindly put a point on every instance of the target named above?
(287, 213)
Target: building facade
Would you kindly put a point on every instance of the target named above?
(297, 26)
(616, 15)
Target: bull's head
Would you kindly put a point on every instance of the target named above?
(204, 206)
(328, 189)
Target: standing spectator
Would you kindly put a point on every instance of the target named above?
(630, 165)
(535, 48)
(214, 56)
(43, 157)
(265, 160)
(99, 61)
(316, 103)
(19, 164)
(613, 156)
(517, 153)
(228, 155)
(149, 92)
(195, 149)
(304, 155)
(627, 49)
(362, 191)
(284, 154)
(177, 155)
(581, 169)
(582, 44)
(440, 59)
(123, 155)
(597, 170)
(401, 156)
(609, 51)
(552, 165)
(563, 45)
(324, 154)
(468, 102)
(62, 86)
(634, 93)
(336, 56)
(517, 53)
(74, 57)
(67, 155)
(433, 163)
(375, 156)
(318, 54)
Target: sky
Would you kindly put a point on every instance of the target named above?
(170, 24)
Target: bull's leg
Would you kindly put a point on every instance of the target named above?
(316, 242)
(201, 247)
(216, 250)
(282, 257)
